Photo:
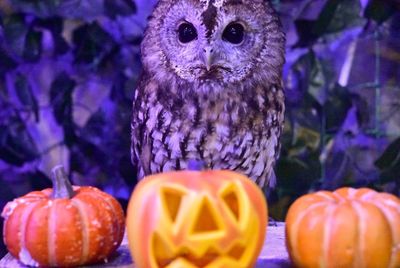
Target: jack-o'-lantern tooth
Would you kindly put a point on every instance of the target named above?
(181, 262)
(236, 251)
(162, 252)
(206, 220)
(172, 200)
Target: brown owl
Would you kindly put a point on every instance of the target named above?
(211, 88)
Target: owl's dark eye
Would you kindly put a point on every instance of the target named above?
(187, 32)
(233, 33)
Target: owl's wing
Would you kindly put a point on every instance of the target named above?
(135, 143)
(140, 151)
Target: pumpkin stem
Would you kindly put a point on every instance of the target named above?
(196, 165)
(62, 187)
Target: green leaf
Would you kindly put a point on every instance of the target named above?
(379, 10)
(77, 9)
(55, 25)
(338, 104)
(16, 144)
(336, 16)
(92, 44)
(114, 8)
(390, 157)
(39, 180)
(25, 94)
(296, 175)
(33, 46)
(61, 98)
(315, 75)
(6, 63)
(39, 8)
(15, 31)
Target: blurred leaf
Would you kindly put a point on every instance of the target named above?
(305, 139)
(86, 156)
(114, 8)
(86, 10)
(307, 114)
(15, 31)
(61, 101)
(33, 46)
(55, 26)
(380, 10)
(16, 144)
(6, 62)
(338, 104)
(390, 157)
(39, 180)
(336, 16)
(40, 8)
(127, 170)
(61, 46)
(79, 9)
(307, 36)
(6, 194)
(25, 94)
(326, 16)
(314, 76)
(296, 175)
(92, 44)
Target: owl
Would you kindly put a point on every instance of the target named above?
(211, 88)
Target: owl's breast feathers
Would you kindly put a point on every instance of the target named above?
(237, 130)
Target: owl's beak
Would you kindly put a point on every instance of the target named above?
(208, 58)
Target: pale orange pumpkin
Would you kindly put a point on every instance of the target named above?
(213, 219)
(64, 226)
(345, 228)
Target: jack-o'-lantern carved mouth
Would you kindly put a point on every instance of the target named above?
(207, 224)
(188, 257)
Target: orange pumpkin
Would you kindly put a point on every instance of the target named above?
(345, 228)
(64, 226)
(212, 219)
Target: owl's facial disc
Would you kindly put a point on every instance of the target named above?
(217, 41)
(206, 56)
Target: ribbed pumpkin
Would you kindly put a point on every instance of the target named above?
(189, 219)
(64, 226)
(345, 228)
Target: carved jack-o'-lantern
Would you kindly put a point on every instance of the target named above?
(196, 219)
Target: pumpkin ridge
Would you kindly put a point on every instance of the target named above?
(329, 197)
(101, 250)
(384, 207)
(295, 227)
(367, 196)
(116, 233)
(114, 227)
(360, 244)
(24, 223)
(327, 233)
(52, 234)
(80, 206)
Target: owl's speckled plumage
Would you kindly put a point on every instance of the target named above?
(209, 99)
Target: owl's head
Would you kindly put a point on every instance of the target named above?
(218, 41)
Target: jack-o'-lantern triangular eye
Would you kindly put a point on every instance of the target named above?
(232, 202)
(172, 201)
(206, 219)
